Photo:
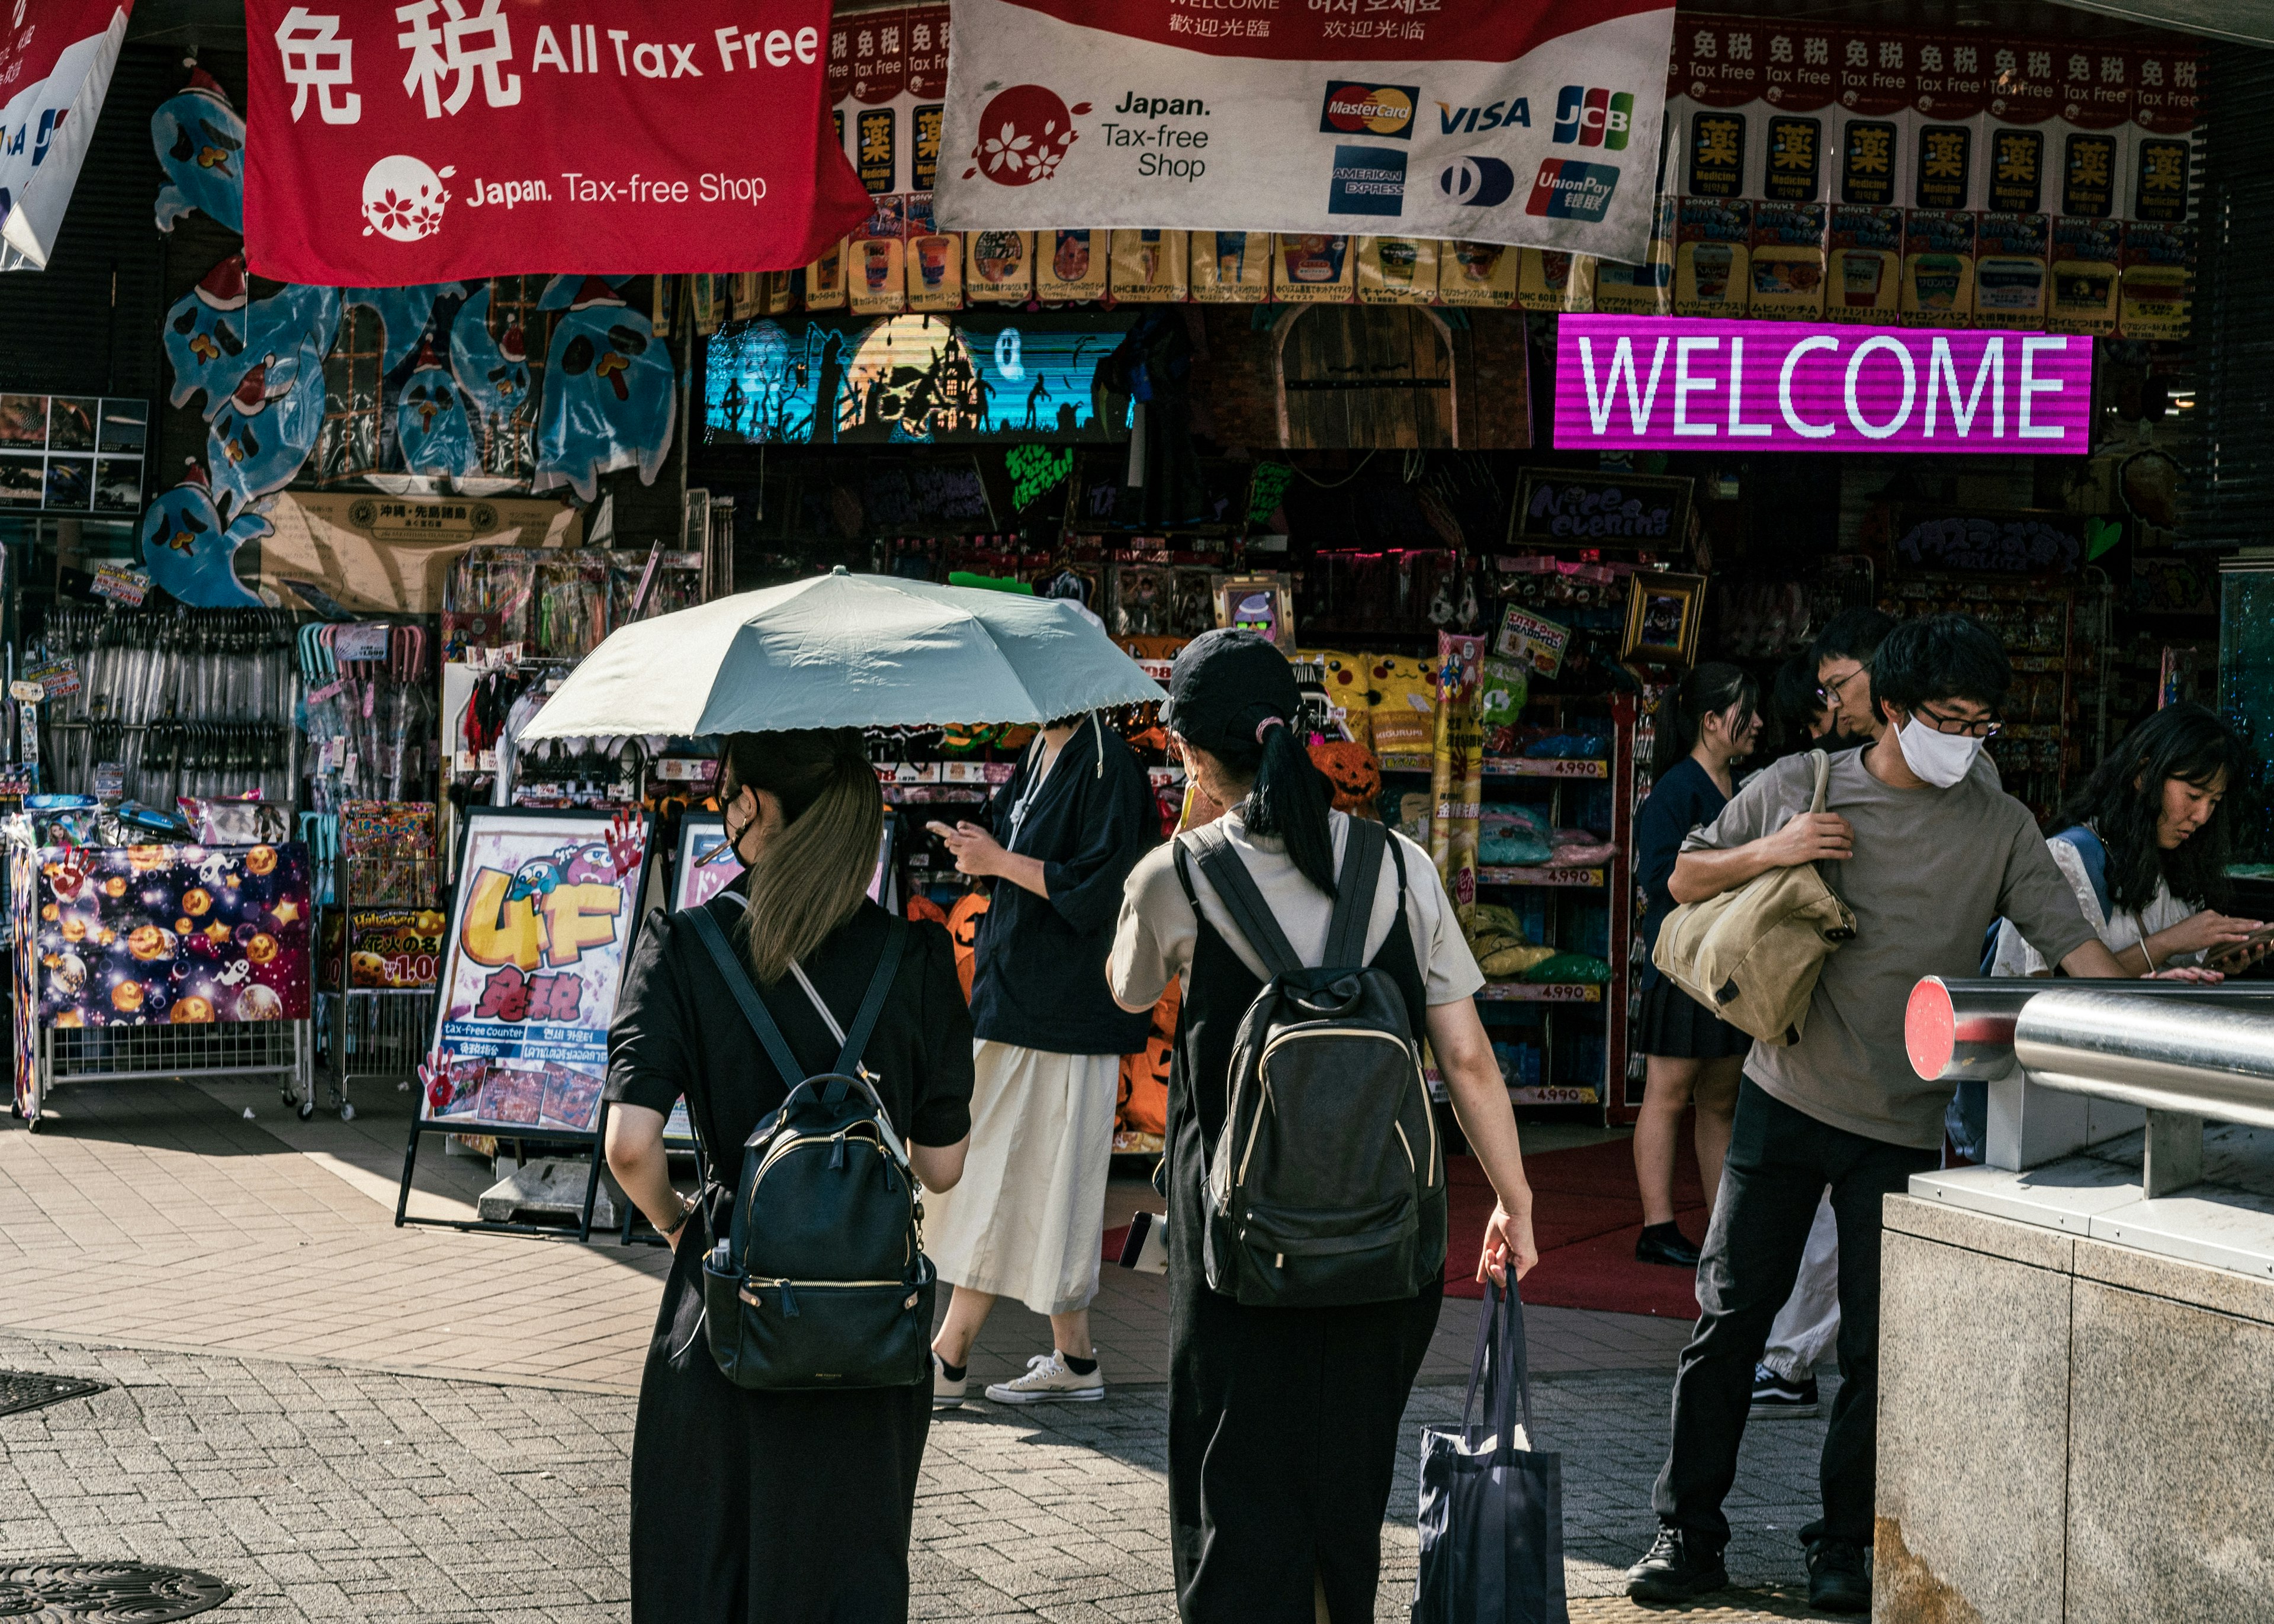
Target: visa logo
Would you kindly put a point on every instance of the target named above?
(1469, 120)
(1593, 116)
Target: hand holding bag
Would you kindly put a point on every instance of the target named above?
(1751, 955)
(1491, 1514)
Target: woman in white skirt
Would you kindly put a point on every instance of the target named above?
(1028, 1218)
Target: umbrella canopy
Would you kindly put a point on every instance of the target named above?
(845, 651)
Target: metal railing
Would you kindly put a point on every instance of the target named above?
(2183, 1052)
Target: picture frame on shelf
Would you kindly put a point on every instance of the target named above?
(1262, 602)
(1664, 612)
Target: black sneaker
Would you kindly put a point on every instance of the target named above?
(1839, 1576)
(1662, 1243)
(1782, 1395)
(1676, 1569)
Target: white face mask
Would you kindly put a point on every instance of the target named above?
(1941, 758)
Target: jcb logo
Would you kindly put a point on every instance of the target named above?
(1593, 116)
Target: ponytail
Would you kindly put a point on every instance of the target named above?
(813, 874)
(1289, 797)
(1700, 693)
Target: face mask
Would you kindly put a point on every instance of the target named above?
(1941, 758)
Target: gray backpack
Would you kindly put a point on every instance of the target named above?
(1326, 1187)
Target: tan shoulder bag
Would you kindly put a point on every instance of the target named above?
(1751, 955)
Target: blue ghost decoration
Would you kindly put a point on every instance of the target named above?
(199, 142)
(430, 422)
(406, 311)
(263, 433)
(215, 337)
(611, 392)
(191, 551)
(493, 376)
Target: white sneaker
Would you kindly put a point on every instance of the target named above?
(946, 1395)
(1048, 1381)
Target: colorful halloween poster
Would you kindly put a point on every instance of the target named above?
(705, 868)
(539, 934)
(143, 936)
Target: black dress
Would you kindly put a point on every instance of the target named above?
(1284, 1424)
(1673, 1024)
(750, 1506)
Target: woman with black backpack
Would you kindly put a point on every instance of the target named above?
(1297, 1323)
(766, 1505)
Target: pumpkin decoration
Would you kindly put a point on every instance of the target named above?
(963, 925)
(1145, 1087)
(924, 908)
(1354, 773)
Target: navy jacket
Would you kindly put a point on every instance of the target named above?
(1039, 978)
(1679, 802)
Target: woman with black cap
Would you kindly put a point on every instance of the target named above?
(1284, 1421)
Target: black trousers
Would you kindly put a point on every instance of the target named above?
(1780, 1161)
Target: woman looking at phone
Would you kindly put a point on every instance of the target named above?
(2144, 844)
(1028, 1220)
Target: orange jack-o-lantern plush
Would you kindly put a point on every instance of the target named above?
(963, 925)
(922, 908)
(1145, 1087)
(1352, 770)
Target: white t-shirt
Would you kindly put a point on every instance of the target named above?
(1155, 939)
(2016, 957)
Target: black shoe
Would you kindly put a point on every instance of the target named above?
(1839, 1576)
(1678, 1570)
(1662, 1243)
(1782, 1395)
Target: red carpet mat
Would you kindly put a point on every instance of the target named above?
(1585, 1216)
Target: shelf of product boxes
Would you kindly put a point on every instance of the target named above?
(1559, 879)
(1509, 767)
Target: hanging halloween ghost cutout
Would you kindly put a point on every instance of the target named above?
(492, 378)
(261, 438)
(431, 430)
(199, 140)
(191, 551)
(205, 336)
(611, 391)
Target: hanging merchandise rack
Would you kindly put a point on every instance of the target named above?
(383, 941)
(170, 703)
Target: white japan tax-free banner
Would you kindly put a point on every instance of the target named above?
(1526, 122)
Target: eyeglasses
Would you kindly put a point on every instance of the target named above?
(1830, 693)
(1959, 725)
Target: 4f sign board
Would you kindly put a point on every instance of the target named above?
(1496, 120)
(1678, 385)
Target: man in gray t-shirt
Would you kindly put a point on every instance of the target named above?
(1920, 844)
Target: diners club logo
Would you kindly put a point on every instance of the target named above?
(1023, 133)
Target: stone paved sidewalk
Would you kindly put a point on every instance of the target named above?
(326, 1493)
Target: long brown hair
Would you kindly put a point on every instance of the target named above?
(813, 874)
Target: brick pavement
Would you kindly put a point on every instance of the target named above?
(326, 1493)
(353, 1421)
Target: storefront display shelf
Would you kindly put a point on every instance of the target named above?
(1509, 767)
(1561, 879)
(1542, 992)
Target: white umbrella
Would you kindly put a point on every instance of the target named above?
(845, 651)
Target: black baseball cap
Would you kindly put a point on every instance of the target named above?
(1225, 685)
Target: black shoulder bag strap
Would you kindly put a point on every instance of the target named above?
(737, 977)
(1354, 888)
(1235, 889)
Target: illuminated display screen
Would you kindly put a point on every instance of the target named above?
(928, 380)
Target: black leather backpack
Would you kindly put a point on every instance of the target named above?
(1326, 1187)
(821, 1282)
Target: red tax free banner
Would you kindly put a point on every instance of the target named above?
(392, 144)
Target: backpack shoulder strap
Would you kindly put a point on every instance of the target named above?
(2095, 858)
(1354, 889)
(737, 978)
(1237, 888)
(872, 1003)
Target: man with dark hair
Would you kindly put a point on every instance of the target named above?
(1926, 851)
(1843, 655)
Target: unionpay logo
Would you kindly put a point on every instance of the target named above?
(1367, 180)
(1355, 106)
(1476, 182)
(1593, 116)
(1566, 188)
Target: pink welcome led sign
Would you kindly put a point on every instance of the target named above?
(1661, 384)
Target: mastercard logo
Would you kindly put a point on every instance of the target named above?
(1355, 106)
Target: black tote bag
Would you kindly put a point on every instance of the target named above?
(1491, 1514)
